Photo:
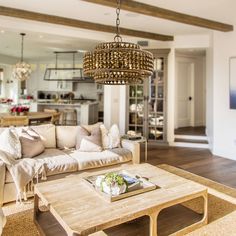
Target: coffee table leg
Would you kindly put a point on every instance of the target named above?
(153, 224)
(36, 205)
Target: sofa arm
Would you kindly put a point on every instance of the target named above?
(134, 147)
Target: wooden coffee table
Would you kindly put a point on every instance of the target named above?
(79, 210)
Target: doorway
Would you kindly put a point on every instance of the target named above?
(190, 90)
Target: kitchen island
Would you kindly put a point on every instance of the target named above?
(87, 111)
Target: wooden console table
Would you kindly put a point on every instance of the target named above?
(79, 210)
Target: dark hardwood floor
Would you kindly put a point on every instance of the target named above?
(200, 130)
(195, 160)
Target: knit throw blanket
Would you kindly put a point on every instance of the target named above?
(24, 172)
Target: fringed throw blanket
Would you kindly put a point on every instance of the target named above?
(23, 172)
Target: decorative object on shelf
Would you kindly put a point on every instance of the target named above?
(72, 73)
(118, 63)
(132, 135)
(156, 133)
(20, 110)
(136, 107)
(22, 70)
(157, 121)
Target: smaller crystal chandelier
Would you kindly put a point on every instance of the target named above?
(118, 63)
(22, 70)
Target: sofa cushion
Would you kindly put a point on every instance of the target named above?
(66, 136)
(89, 160)
(31, 143)
(57, 162)
(47, 134)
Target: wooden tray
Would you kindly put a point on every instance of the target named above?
(145, 186)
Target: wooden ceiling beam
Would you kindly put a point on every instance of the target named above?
(52, 19)
(154, 11)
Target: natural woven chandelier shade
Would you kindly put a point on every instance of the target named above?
(118, 63)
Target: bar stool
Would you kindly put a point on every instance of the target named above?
(69, 117)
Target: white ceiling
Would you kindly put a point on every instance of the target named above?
(40, 45)
(66, 38)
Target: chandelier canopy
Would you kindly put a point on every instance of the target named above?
(118, 63)
(22, 70)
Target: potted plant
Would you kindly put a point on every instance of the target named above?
(112, 184)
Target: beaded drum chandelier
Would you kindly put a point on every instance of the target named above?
(22, 70)
(118, 63)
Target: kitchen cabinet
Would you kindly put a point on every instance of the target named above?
(87, 112)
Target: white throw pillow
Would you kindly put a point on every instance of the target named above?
(111, 138)
(93, 142)
(10, 143)
(47, 134)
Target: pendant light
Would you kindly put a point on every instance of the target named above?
(22, 70)
(72, 73)
(118, 63)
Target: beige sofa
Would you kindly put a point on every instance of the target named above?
(61, 158)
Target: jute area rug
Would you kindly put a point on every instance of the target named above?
(20, 216)
(19, 219)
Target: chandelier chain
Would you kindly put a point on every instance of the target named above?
(22, 47)
(117, 36)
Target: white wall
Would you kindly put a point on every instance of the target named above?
(209, 94)
(224, 124)
(9, 90)
(112, 105)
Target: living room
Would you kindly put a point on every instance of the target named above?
(117, 117)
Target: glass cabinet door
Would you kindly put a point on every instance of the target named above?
(136, 108)
(156, 102)
(147, 102)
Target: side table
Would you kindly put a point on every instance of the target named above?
(141, 140)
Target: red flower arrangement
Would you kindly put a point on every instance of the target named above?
(19, 109)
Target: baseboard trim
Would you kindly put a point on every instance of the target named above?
(192, 137)
(190, 145)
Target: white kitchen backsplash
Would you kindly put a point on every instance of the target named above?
(87, 90)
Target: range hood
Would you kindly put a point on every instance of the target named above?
(66, 74)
